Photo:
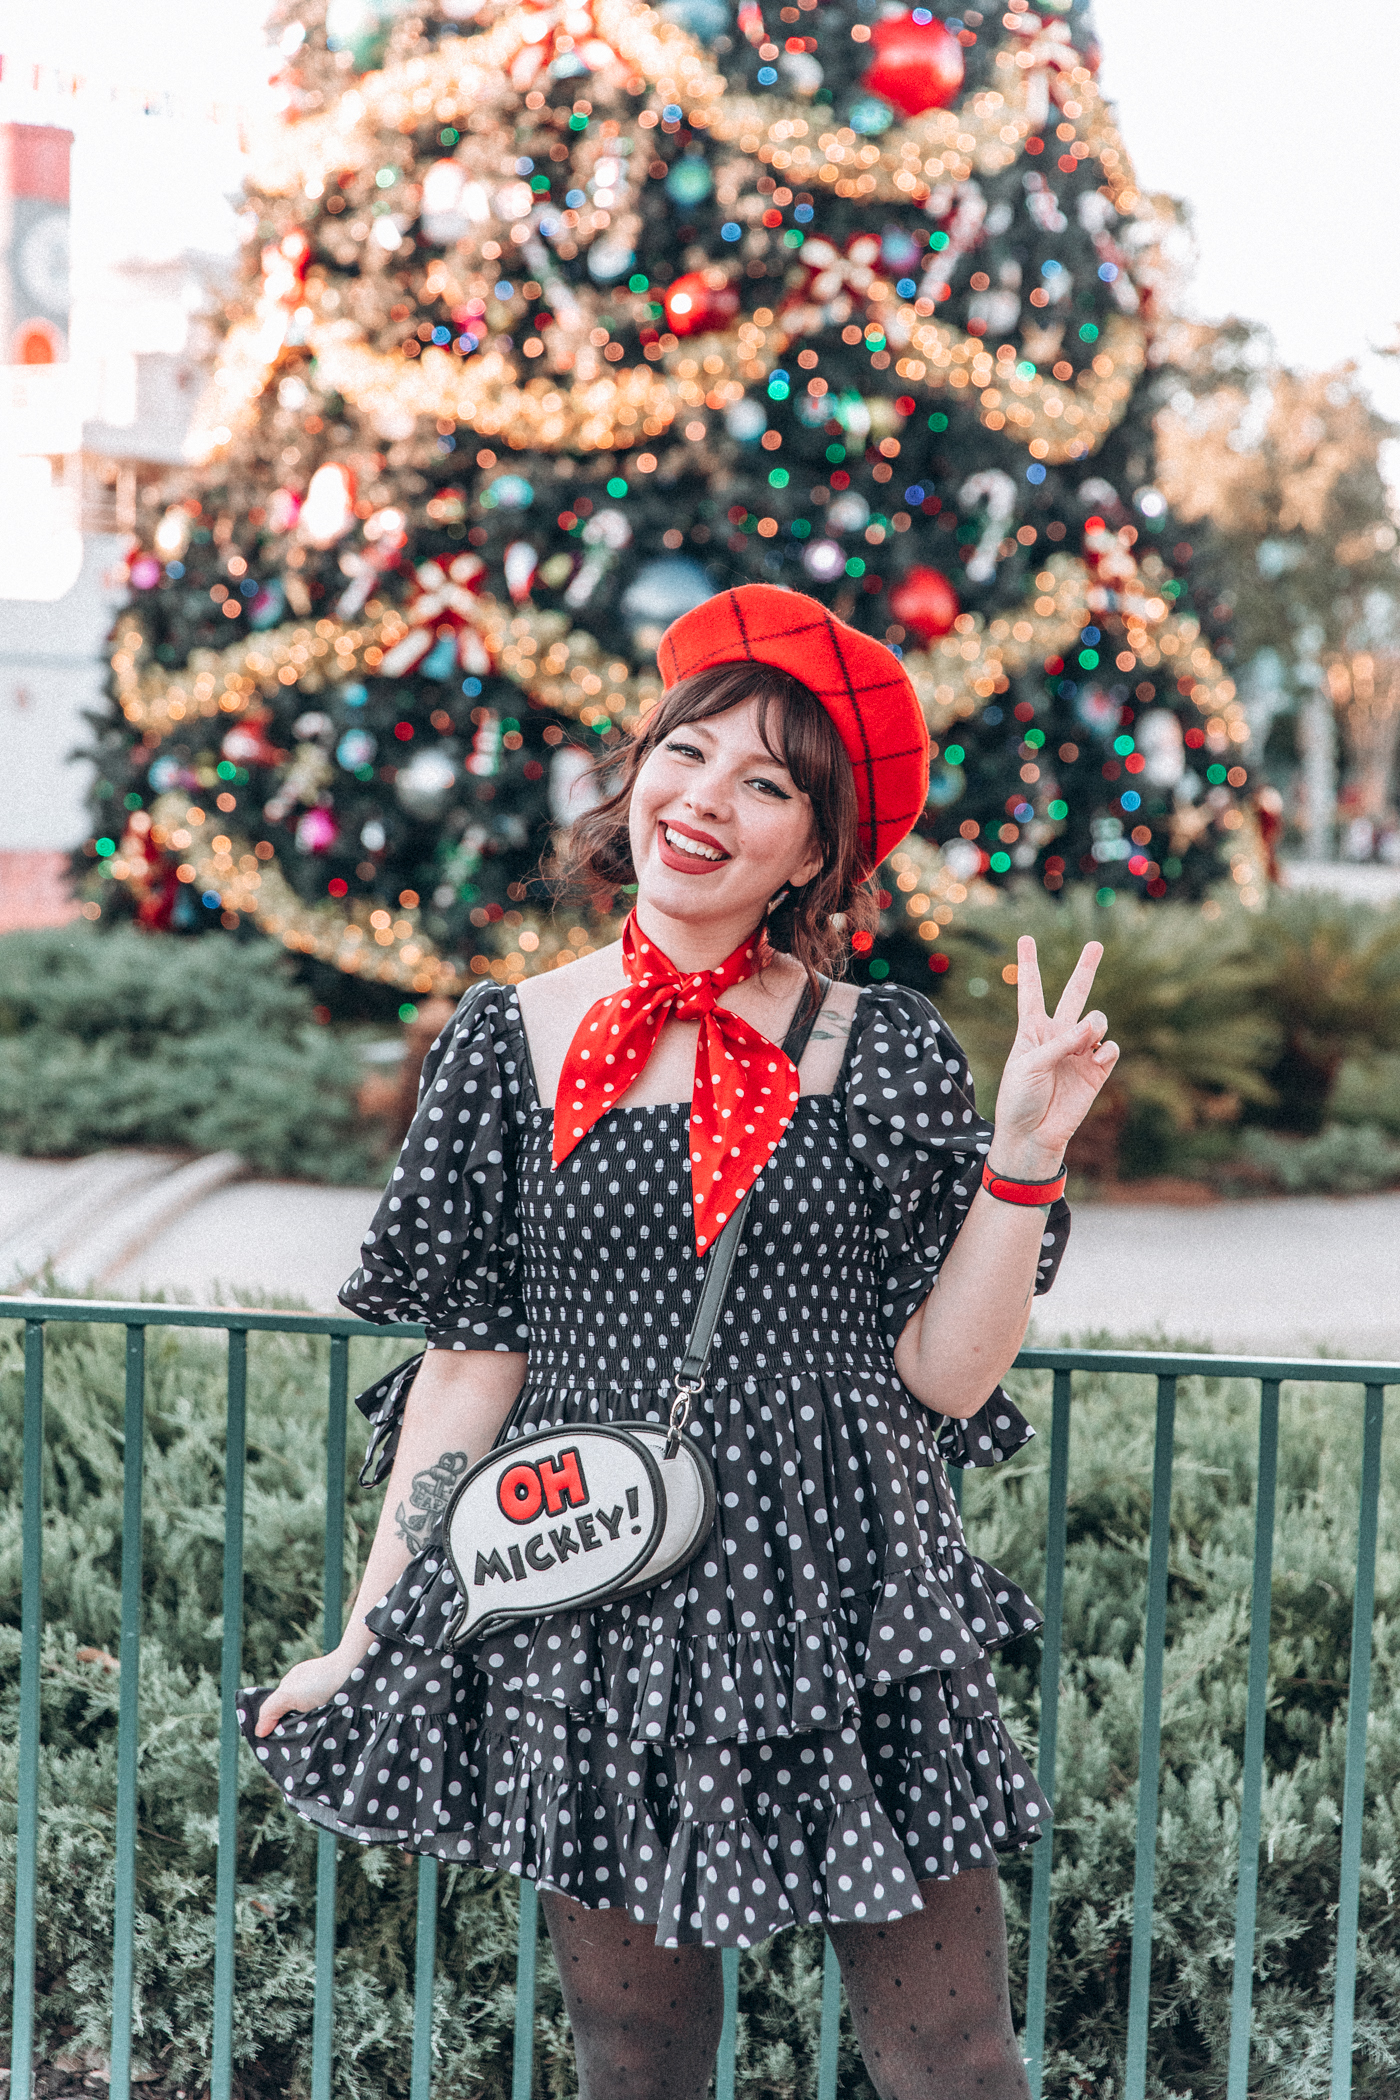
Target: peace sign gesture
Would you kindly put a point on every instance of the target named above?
(1057, 1065)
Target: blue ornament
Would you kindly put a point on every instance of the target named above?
(690, 181)
(945, 784)
(705, 19)
(662, 590)
(268, 605)
(870, 116)
(609, 258)
(356, 748)
(511, 492)
(1098, 710)
(746, 421)
(168, 773)
(899, 251)
(441, 659)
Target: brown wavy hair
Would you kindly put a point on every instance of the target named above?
(811, 923)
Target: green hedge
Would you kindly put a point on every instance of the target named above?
(127, 1039)
(1109, 1509)
(1286, 1019)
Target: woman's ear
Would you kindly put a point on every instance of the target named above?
(810, 868)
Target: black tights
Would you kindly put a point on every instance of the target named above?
(928, 1998)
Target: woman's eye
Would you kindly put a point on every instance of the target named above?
(684, 750)
(770, 787)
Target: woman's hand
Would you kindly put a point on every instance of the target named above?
(306, 1685)
(1057, 1065)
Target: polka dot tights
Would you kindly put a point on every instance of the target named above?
(928, 1998)
(645, 2019)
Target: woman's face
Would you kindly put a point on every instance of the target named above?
(718, 826)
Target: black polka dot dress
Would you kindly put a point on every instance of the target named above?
(801, 1725)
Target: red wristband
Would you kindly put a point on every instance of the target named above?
(1027, 1192)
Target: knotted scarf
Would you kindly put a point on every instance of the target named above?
(745, 1087)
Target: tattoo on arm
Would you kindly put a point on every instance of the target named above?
(428, 1495)
(831, 1026)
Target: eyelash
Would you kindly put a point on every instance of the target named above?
(690, 751)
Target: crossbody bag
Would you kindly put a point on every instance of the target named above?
(586, 1513)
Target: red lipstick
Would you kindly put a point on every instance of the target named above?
(688, 863)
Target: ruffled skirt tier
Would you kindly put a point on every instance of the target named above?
(798, 1729)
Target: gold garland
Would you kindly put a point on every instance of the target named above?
(566, 668)
(228, 681)
(985, 135)
(920, 878)
(1052, 421)
(607, 410)
(467, 75)
(612, 410)
(561, 667)
(610, 413)
(361, 939)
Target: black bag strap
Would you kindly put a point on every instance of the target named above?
(690, 1371)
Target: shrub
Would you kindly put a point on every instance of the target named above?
(1333, 971)
(1182, 994)
(1111, 1463)
(1346, 1160)
(1368, 1091)
(126, 1039)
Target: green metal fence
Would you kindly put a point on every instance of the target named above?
(1270, 1373)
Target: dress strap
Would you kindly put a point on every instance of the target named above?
(809, 1008)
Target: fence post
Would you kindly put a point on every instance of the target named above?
(526, 1964)
(333, 1611)
(1252, 1775)
(1150, 1761)
(829, 2046)
(420, 2077)
(1358, 1714)
(729, 2032)
(128, 1721)
(31, 1628)
(226, 1878)
(1042, 1859)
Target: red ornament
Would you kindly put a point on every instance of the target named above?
(693, 303)
(247, 744)
(924, 601)
(918, 65)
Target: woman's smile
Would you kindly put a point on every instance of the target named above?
(693, 852)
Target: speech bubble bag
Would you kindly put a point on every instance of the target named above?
(573, 1516)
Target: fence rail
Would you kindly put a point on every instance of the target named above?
(238, 1323)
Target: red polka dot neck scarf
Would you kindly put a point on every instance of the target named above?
(745, 1087)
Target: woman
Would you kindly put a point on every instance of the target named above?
(801, 1725)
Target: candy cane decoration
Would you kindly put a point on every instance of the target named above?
(999, 492)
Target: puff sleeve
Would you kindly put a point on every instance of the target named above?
(443, 1246)
(912, 1123)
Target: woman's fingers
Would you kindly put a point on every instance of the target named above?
(1086, 1039)
(1081, 978)
(1030, 997)
(273, 1708)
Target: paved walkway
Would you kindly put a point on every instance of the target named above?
(1285, 1277)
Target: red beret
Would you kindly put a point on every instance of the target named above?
(859, 682)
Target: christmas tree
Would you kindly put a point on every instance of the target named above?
(557, 319)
